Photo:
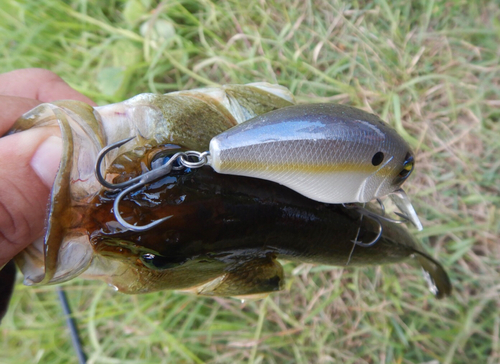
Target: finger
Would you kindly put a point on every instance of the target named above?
(39, 84)
(28, 165)
(12, 108)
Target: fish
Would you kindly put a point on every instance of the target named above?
(227, 234)
(327, 152)
(220, 234)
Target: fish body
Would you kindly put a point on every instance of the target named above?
(227, 233)
(327, 152)
(224, 234)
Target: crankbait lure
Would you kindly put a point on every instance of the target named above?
(327, 152)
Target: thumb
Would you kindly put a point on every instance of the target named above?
(28, 165)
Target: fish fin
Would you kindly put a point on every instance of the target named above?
(248, 278)
(435, 275)
(7, 280)
(252, 297)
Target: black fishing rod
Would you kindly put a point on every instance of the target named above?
(73, 329)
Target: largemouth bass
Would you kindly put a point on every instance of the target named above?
(223, 234)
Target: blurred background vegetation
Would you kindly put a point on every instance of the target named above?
(431, 68)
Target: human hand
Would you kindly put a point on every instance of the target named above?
(28, 160)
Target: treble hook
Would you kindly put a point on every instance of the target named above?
(118, 216)
(374, 217)
(142, 180)
(404, 217)
(100, 158)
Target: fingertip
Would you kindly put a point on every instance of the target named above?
(45, 162)
(28, 165)
(40, 84)
(57, 89)
(12, 108)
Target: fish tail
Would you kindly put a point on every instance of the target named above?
(436, 276)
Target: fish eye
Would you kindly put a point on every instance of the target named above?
(408, 165)
(159, 262)
(377, 158)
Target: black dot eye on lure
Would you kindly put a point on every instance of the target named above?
(377, 158)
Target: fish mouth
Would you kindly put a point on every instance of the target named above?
(403, 203)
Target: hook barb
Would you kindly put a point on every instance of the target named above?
(121, 220)
(406, 215)
(135, 183)
(139, 182)
(98, 164)
(363, 212)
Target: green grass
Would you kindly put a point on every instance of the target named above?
(431, 68)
